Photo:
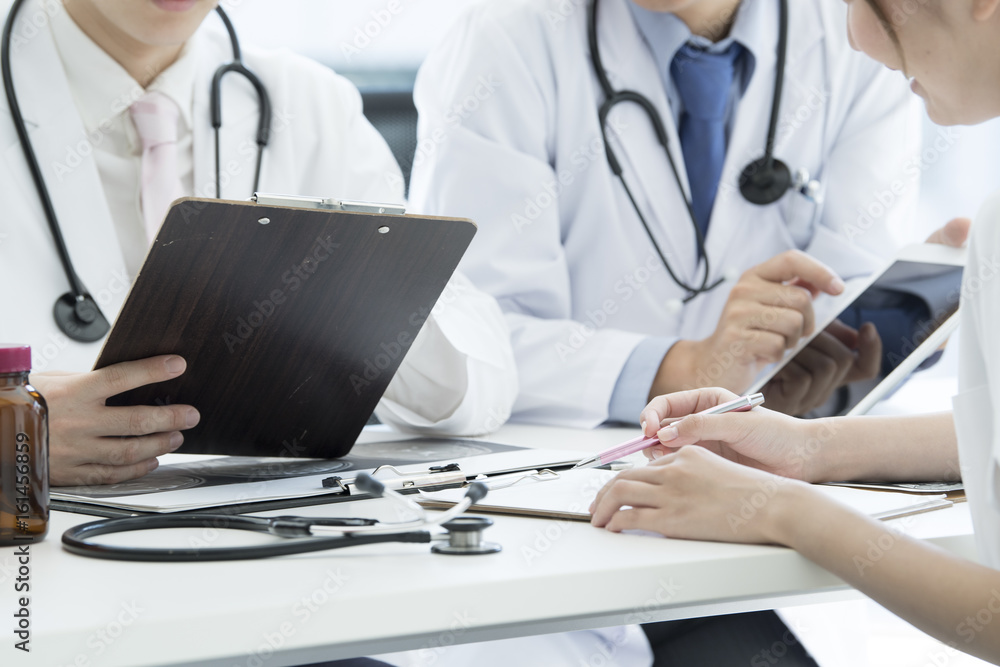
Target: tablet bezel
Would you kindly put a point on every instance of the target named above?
(924, 253)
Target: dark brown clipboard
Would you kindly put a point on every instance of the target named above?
(292, 320)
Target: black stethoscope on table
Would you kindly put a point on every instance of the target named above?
(76, 313)
(464, 534)
(762, 182)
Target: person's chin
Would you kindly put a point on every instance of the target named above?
(176, 5)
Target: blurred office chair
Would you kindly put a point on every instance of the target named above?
(393, 114)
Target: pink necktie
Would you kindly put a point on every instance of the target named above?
(155, 116)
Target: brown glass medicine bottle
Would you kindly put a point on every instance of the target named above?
(24, 451)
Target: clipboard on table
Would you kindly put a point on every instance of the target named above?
(569, 498)
(293, 314)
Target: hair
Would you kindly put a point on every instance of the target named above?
(889, 29)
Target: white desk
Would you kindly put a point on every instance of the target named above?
(551, 576)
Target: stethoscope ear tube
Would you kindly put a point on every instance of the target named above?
(215, 104)
(764, 181)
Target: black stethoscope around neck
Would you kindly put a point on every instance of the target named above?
(763, 181)
(76, 313)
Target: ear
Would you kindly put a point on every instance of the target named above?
(984, 10)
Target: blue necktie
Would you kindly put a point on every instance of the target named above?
(704, 82)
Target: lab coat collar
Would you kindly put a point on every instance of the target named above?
(64, 152)
(665, 34)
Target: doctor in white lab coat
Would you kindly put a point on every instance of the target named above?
(510, 137)
(459, 376)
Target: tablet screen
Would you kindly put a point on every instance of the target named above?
(907, 304)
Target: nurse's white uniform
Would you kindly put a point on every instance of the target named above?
(977, 404)
(509, 137)
(459, 376)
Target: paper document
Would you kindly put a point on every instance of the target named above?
(237, 480)
(569, 497)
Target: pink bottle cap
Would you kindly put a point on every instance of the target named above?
(15, 358)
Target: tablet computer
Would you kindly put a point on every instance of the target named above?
(293, 314)
(930, 272)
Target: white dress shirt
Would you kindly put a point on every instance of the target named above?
(103, 102)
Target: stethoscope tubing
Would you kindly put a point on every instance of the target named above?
(304, 534)
(76, 540)
(76, 285)
(77, 289)
(613, 97)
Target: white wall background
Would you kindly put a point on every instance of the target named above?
(388, 34)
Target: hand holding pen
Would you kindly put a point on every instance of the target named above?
(643, 442)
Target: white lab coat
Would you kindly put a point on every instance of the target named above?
(509, 136)
(977, 404)
(459, 376)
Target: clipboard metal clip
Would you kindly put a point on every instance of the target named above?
(326, 204)
(393, 478)
(510, 479)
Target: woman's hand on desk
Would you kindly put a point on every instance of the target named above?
(728, 477)
(92, 443)
(695, 494)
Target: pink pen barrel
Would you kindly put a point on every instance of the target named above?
(741, 404)
(626, 448)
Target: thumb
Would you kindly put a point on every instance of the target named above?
(954, 233)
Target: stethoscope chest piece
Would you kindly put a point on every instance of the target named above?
(80, 318)
(765, 181)
(465, 537)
